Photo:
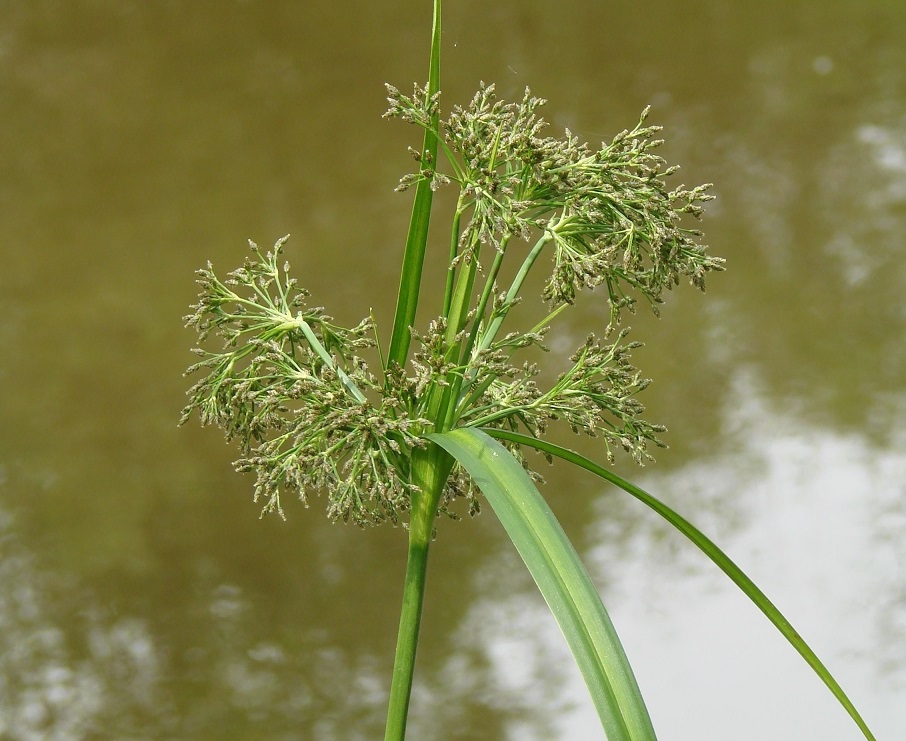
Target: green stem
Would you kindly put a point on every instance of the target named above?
(454, 251)
(452, 392)
(430, 469)
(407, 640)
(483, 301)
(459, 303)
(515, 287)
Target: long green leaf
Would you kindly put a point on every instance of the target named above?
(417, 237)
(723, 562)
(559, 574)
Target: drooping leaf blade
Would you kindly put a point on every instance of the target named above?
(712, 551)
(561, 578)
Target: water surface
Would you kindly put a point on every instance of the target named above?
(140, 596)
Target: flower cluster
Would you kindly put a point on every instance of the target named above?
(595, 396)
(609, 213)
(290, 385)
(287, 385)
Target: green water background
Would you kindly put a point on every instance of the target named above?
(140, 596)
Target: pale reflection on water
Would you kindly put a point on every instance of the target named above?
(140, 597)
(46, 692)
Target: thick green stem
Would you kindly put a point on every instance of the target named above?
(430, 469)
(407, 640)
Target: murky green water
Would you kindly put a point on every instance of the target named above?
(140, 596)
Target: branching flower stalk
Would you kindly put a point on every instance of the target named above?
(309, 415)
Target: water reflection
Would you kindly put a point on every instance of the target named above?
(72, 667)
(63, 684)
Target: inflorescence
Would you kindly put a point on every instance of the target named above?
(292, 389)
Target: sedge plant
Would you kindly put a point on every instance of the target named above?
(453, 406)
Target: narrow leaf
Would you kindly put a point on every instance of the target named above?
(712, 551)
(417, 237)
(561, 578)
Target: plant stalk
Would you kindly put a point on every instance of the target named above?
(488, 338)
(407, 640)
(430, 469)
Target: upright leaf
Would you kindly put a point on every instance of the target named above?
(417, 238)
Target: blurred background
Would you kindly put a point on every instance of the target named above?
(140, 595)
